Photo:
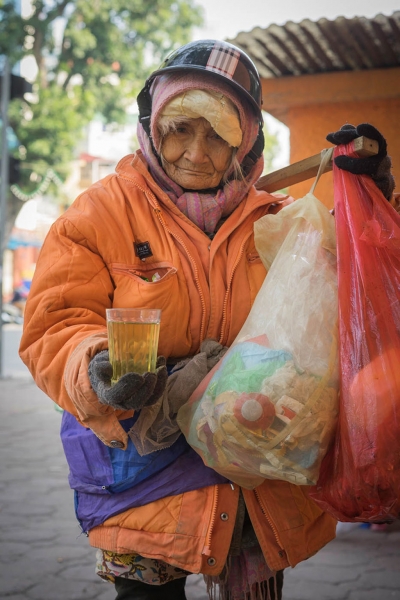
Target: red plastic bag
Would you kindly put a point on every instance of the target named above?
(360, 475)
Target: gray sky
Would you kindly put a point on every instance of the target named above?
(226, 18)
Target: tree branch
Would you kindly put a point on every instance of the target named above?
(57, 11)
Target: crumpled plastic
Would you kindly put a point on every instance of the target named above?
(360, 475)
(269, 407)
(219, 111)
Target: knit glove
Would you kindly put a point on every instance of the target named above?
(132, 390)
(377, 166)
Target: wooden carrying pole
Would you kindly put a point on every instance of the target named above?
(308, 168)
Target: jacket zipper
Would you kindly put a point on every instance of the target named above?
(266, 514)
(158, 212)
(228, 290)
(207, 547)
(196, 276)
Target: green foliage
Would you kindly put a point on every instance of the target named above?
(48, 129)
(91, 57)
(11, 31)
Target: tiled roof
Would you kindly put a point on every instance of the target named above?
(323, 46)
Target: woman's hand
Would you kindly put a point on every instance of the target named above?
(132, 390)
(377, 167)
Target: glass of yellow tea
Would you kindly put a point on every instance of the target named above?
(132, 340)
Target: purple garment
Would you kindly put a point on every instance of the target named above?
(185, 474)
(98, 469)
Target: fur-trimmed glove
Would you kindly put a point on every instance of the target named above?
(132, 390)
(377, 167)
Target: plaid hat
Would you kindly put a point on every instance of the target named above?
(223, 61)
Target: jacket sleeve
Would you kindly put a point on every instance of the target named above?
(65, 326)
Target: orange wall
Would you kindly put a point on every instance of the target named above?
(309, 127)
(313, 106)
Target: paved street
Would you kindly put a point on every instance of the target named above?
(44, 557)
(11, 363)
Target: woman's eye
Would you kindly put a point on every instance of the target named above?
(215, 136)
(181, 129)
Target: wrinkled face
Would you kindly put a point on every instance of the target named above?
(195, 157)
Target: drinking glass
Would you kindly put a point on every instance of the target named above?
(132, 340)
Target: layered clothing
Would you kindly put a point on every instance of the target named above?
(103, 253)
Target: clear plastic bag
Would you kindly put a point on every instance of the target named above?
(360, 475)
(268, 409)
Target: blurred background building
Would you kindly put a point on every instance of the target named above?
(316, 76)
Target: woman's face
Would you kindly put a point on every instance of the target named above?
(195, 157)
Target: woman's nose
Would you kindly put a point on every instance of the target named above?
(196, 150)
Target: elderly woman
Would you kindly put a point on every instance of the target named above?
(172, 229)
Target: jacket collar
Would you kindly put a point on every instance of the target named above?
(133, 167)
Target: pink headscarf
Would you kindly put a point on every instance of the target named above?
(203, 209)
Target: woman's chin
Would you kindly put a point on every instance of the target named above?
(195, 182)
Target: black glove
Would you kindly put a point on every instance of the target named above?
(132, 390)
(377, 166)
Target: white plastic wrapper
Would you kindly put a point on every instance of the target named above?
(269, 407)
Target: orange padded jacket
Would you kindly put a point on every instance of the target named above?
(206, 288)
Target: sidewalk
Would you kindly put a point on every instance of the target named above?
(44, 556)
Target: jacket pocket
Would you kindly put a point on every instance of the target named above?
(156, 285)
(152, 285)
(153, 273)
